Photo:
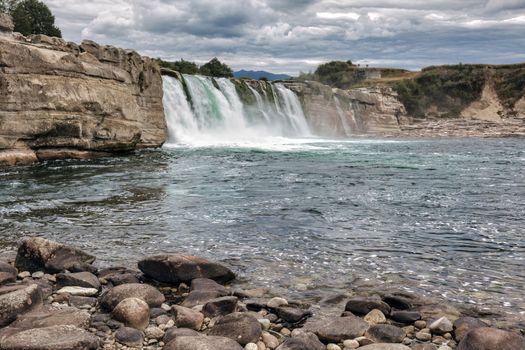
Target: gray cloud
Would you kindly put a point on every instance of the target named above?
(296, 35)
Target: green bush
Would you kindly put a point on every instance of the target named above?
(182, 66)
(216, 68)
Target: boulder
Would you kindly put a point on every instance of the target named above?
(200, 297)
(129, 337)
(174, 332)
(220, 306)
(78, 279)
(145, 292)
(202, 343)
(465, 324)
(39, 254)
(305, 341)
(19, 300)
(62, 337)
(397, 302)
(384, 346)
(184, 268)
(385, 333)
(8, 268)
(406, 317)
(132, 312)
(187, 318)
(238, 326)
(337, 329)
(292, 314)
(485, 338)
(363, 305)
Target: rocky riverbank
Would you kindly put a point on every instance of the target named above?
(53, 297)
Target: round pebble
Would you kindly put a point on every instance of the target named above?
(270, 340)
(423, 336)
(251, 346)
(351, 344)
(265, 323)
(333, 347)
(276, 302)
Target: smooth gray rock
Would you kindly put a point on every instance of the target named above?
(129, 336)
(238, 326)
(485, 338)
(21, 300)
(337, 329)
(145, 292)
(62, 337)
(184, 268)
(39, 254)
(202, 343)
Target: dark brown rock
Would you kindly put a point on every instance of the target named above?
(184, 268)
(39, 254)
(405, 316)
(202, 343)
(363, 305)
(237, 326)
(8, 268)
(384, 333)
(485, 338)
(465, 324)
(129, 336)
(397, 302)
(220, 306)
(132, 312)
(292, 314)
(6, 277)
(19, 301)
(187, 318)
(200, 297)
(79, 279)
(145, 292)
(337, 329)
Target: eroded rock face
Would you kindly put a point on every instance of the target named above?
(39, 254)
(59, 100)
(184, 268)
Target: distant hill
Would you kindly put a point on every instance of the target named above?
(260, 74)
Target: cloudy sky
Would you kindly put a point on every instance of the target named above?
(289, 36)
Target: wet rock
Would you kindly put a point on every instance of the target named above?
(441, 326)
(304, 341)
(397, 302)
(39, 254)
(238, 326)
(363, 305)
(200, 297)
(485, 338)
(292, 314)
(337, 329)
(208, 285)
(383, 346)
(220, 306)
(184, 268)
(465, 324)
(173, 333)
(129, 336)
(384, 333)
(187, 318)
(132, 312)
(202, 343)
(79, 279)
(18, 300)
(145, 292)
(63, 337)
(78, 291)
(406, 317)
(375, 317)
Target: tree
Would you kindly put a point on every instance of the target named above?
(182, 66)
(34, 17)
(215, 68)
(7, 6)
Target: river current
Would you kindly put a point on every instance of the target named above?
(443, 218)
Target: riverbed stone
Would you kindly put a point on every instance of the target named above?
(78, 279)
(187, 318)
(385, 333)
(153, 332)
(465, 324)
(441, 326)
(337, 329)
(200, 297)
(174, 332)
(6, 277)
(78, 291)
(485, 338)
(46, 317)
(276, 302)
(39, 254)
(145, 292)
(238, 326)
(19, 300)
(405, 317)
(220, 306)
(132, 312)
(363, 305)
(385, 346)
(398, 302)
(375, 317)
(304, 341)
(202, 343)
(270, 340)
(129, 336)
(292, 314)
(8, 268)
(208, 284)
(184, 268)
(62, 337)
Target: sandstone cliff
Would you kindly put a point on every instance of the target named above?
(62, 100)
(334, 112)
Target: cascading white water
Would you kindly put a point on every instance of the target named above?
(213, 113)
(346, 127)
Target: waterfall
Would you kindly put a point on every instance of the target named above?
(204, 110)
(346, 127)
